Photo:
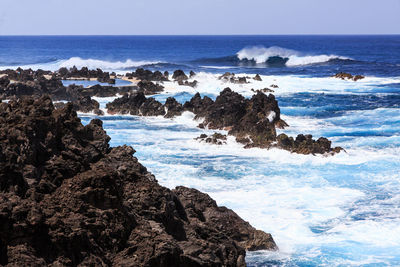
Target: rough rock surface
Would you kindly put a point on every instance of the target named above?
(67, 199)
(304, 144)
(348, 76)
(150, 88)
(215, 138)
(179, 75)
(147, 75)
(252, 121)
(39, 83)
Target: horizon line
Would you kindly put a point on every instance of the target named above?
(144, 35)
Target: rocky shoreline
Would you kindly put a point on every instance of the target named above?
(252, 121)
(68, 198)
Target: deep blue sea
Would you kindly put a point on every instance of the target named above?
(341, 210)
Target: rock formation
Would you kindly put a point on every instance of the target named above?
(252, 121)
(67, 199)
(348, 76)
(215, 138)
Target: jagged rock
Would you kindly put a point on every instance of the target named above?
(252, 121)
(68, 198)
(172, 108)
(274, 86)
(348, 76)
(257, 77)
(127, 104)
(216, 138)
(265, 90)
(192, 74)
(150, 88)
(136, 104)
(304, 144)
(198, 105)
(179, 75)
(205, 211)
(147, 75)
(191, 84)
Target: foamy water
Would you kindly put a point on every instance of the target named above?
(335, 211)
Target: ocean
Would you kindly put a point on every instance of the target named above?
(341, 210)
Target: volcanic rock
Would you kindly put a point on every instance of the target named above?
(68, 198)
(257, 78)
(179, 75)
(216, 138)
(348, 76)
(150, 88)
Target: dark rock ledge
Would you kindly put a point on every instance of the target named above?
(252, 121)
(67, 198)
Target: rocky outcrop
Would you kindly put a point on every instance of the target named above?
(84, 104)
(172, 108)
(18, 83)
(264, 90)
(150, 88)
(257, 78)
(252, 121)
(187, 83)
(179, 75)
(136, 104)
(348, 76)
(84, 73)
(304, 144)
(147, 75)
(230, 77)
(68, 198)
(215, 138)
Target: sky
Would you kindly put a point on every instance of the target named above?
(198, 17)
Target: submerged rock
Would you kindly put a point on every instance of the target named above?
(304, 144)
(216, 138)
(68, 198)
(348, 76)
(257, 78)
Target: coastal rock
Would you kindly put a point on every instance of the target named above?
(257, 78)
(150, 88)
(187, 83)
(198, 105)
(179, 75)
(265, 90)
(304, 144)
(172, 108)
(148, 75)
(348, 76)
(204, 210)
(252, 121)
(216, 138)
(68, 198)
(192, 74)
(136, 104)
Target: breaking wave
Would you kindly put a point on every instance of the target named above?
(89, 63)
(261, 54)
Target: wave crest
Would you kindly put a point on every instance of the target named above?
(261, 54)
(104, 65)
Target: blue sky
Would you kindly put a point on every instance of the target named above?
(27, 17)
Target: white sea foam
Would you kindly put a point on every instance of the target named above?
(209, 83)
(261, 54)
(117, 66)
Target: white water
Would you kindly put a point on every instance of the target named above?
(333, 211)
(117, 66)
(261, 54)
